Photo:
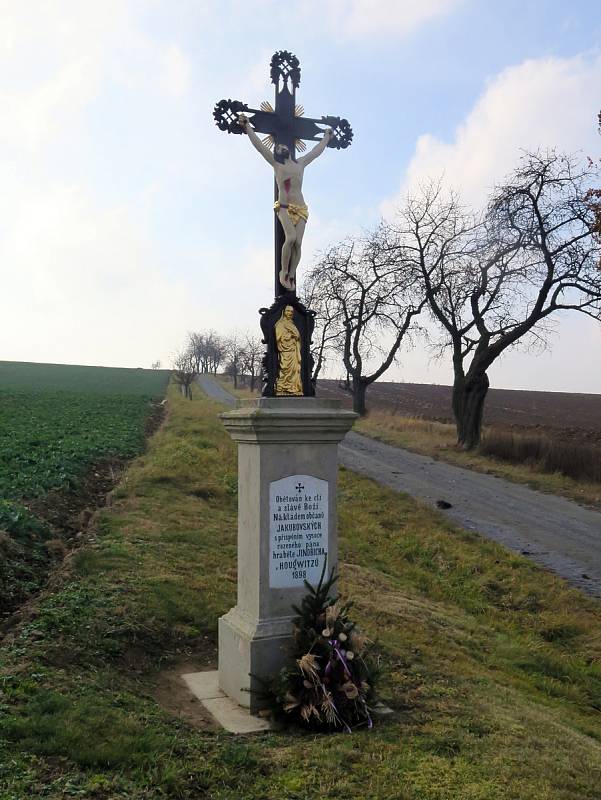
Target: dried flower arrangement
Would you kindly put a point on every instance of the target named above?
(331, 683)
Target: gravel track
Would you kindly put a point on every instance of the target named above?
(554, 532)
(215, 391)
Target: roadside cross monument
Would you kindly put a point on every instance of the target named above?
(287, 440)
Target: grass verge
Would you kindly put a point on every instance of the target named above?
(241, 391)
(545, 454)
(491, 665)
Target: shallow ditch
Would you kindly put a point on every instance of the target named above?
(46, 529)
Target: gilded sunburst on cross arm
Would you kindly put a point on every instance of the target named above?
(269, 141)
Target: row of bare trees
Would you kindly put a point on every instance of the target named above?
(475, 283)
(208, 352)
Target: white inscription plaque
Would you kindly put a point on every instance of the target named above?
(298, 530)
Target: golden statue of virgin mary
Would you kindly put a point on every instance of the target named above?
(287, 340)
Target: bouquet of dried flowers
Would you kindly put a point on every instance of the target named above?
(331, 683)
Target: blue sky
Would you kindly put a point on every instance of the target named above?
(128, 219)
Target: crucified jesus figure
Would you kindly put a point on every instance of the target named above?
(290, 206)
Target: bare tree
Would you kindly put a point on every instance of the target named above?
(196, 348)
(594, 197)
(215, 351)
(326, 335)
(184, 371)
(156, 364)
(375, 302)
(252, 355)
(234, 353)
(492, 283)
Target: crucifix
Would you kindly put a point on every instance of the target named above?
(285, 130)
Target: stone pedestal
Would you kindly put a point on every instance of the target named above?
(287, 476)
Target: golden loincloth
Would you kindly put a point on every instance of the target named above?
(295, 212)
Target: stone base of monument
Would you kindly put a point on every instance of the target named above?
(287, 479)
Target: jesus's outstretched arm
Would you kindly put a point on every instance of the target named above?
(255, 141)
(317, 150)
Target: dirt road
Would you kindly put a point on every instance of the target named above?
(214, 389)
(554, 532)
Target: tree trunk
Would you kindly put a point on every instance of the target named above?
(469, 394)
(359, 389)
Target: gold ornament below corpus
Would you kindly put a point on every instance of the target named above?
(287, 339)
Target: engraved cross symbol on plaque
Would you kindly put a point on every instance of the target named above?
(299, 487)
(284, 124)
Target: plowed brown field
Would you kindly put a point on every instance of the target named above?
(570, 416)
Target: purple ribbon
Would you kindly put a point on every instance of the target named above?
(334, 644)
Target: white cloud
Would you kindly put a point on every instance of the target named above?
(36, 116)
(83, 279)
(54, 63)
(256, 78)
(50, 64)
(80, 279)
(363, 18)
(177, 71)
(540, 103)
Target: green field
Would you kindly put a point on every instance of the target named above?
(56, 423)
(72, 378)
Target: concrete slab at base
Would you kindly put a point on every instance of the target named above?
(203, 685)
(235, 719)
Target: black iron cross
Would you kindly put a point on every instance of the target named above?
(283, 125)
